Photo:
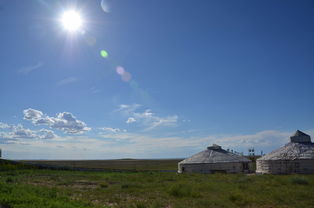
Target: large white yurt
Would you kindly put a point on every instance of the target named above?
(295, 157)
(215, 159)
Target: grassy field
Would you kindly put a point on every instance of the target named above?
(28, 187)
(122, 164)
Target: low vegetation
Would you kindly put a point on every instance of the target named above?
(24, 187)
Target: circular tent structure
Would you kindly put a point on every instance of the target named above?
(215, 159)
(295, 157)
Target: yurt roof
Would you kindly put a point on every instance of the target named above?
(214, 154)
(296, 149)
(300, 136)
(299, 133)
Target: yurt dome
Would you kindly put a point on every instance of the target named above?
(295, 157)
(215, 159)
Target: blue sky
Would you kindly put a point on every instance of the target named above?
(180, 75)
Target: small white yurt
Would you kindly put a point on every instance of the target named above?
(215, 159)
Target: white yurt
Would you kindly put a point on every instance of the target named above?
(215, 159)
(295, 157)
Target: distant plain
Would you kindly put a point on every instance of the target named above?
(119, 164)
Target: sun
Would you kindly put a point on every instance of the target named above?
(71, 21)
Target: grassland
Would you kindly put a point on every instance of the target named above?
(28, 187)
(122, 164)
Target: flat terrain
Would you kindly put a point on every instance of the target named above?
(122, 164)
(27, 187)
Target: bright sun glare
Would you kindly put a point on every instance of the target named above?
(71, 21)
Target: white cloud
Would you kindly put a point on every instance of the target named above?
(68, 123)
(118, 143)
(32, 114)
(147, 114)
(165, 121)
(65, 121)
(28, 69)
(112, 130)
(131, 120)
(147, 118)
(14, 132)
(4, 126)
(129, 108)
(46, 134)
(66, 81)
(260, 139)
(19, 131)
(151, 121)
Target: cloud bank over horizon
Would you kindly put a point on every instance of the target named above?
(107, 142)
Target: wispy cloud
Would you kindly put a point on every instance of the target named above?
(29, 69)
(66, 81)
(147, 118)
(267, 140)
(94, 90)
(112, 130)
(151, 121)
(263, 139)
(130, 120)
(128, 108)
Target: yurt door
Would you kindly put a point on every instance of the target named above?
(245, 166)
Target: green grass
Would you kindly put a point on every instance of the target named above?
(32, 188)
(300, 180)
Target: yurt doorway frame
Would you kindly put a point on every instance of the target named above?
(245, 166)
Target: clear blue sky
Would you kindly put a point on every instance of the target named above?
(235, 73)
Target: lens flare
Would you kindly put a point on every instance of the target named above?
(120, 70)
(91, 41)
(125, 75)
(104, 53)
(105, 6)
